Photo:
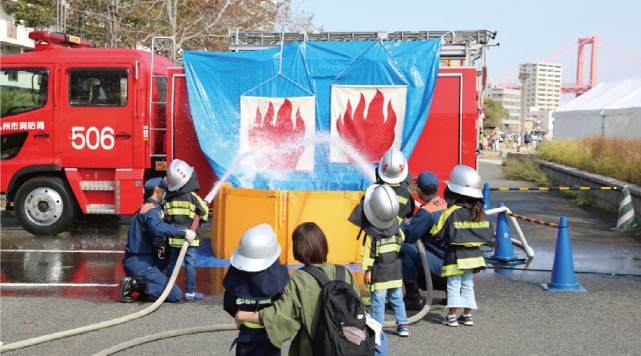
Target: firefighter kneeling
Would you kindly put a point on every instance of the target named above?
(142, 266)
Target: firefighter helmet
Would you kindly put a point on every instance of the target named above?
(466, 181)
(380, 205)
(257, 250)
(178, 174)
(393, 167)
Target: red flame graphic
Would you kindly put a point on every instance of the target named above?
(373, 136)
(271, 138)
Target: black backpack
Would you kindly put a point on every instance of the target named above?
(342, 312)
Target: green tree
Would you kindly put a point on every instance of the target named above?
(37, 14)
(494, 112)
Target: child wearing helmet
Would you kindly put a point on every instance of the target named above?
(182, 205)
(394, 172)
(376, 215)
(464, 228)
(254, 281)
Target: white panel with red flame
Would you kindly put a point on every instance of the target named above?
(368, 118)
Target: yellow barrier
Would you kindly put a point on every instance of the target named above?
(237, 209)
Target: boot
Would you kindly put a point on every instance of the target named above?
(126, 288)
(128, 285)
(412, 297)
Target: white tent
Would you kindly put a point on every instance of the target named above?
(610, 109)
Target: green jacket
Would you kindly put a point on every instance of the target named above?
(298, 310)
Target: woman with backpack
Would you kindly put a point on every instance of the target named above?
(301, 307)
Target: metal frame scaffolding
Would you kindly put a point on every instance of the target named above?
(467, 46)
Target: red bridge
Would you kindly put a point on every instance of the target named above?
(617, 63)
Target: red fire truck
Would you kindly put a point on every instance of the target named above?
(82, 128)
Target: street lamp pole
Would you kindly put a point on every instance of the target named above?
(523, 77)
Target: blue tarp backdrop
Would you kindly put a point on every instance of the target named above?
(216, 81)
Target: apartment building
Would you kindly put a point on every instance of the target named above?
(543, 89)
(14, 38)
(511, 101)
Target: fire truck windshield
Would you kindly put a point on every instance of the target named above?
(22, 90)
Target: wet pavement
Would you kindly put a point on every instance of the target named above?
(75, 274)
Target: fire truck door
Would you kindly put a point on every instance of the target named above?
(27, 112)
(439, 148)
(98, 117)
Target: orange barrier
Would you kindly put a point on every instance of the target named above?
(238, 209)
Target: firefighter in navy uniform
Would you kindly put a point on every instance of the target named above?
(182, 205)
(419, 229)
(143, 269)
(393, 171)
(254, 281)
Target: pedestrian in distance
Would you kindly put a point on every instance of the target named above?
(527, 139)
(182, 205)
(419, 229)
(377, 217)
(464, 229)
(255, 280)
(142, 264)
(494, 137)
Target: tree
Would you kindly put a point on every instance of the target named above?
(37, 14)
(494, 112)
(193, 23)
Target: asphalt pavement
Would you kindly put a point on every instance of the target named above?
(515, 315)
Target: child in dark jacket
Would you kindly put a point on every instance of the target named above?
(377, 216)
(254, 281)
(182, 205)
(464, 229)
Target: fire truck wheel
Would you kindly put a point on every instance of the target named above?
(43, 206)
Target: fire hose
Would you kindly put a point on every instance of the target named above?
(109, 323)
(193, 330)
(523, 242)
(227, 327)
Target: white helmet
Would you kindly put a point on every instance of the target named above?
(178, 174)
(393, 167)
(380, 205)
(257, 250)
(466, 181)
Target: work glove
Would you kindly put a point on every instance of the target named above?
(190, 236)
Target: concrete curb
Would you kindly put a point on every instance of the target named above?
(568, 176)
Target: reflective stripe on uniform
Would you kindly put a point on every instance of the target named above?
(451, 270)
(441, 222)
(204, 206)
(179, 241)
(253, 326)
(365, 253)
(398, 283)
(180, 204)
(388, 248)
(470, 263)
(181, 211)
(470, 244)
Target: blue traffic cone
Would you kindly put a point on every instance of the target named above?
(487, 205)
(505, 252)
(563, 278)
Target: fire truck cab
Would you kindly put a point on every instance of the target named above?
(75, 127)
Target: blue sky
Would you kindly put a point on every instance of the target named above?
(527, 30)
